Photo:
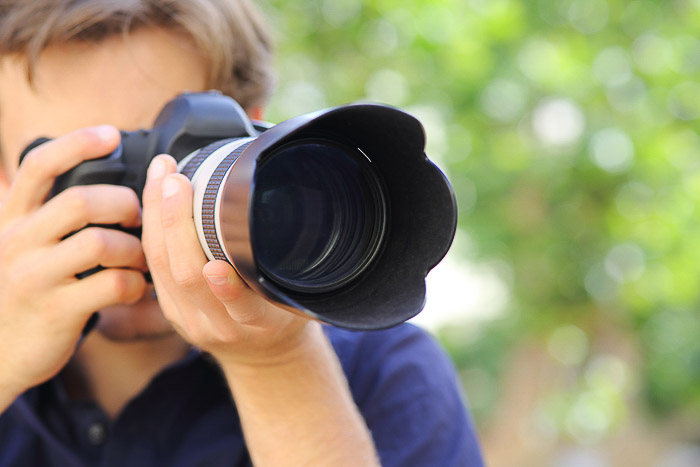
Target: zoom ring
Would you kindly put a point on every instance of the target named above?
(209, 202)
(194, 163)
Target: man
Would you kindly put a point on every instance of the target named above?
(135, 391)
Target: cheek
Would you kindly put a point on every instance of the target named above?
(21, 120)
(10, 148)
(9, 160)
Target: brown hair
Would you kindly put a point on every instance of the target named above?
(230, 34)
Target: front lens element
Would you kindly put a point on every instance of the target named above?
(318, 215)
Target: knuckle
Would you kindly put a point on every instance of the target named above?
(132, 199)
(168, 217)
(248, 317)
(118, 283)
(95, 241)
(124, 285)
(78, 200)
(187, 278)
(157, 261)
(34, 163)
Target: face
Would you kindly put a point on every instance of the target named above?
(120, 82)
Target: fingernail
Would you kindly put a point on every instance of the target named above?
(106, 133)
(156, 169)
(218, 280)
(170, 187)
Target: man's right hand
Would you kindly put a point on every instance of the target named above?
(43, 306)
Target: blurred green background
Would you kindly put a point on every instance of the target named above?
(569, 129)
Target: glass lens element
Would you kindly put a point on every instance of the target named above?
(318, 215)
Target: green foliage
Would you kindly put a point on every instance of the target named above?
(569, 129)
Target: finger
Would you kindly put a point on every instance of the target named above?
(171, 309)
(79, 206)
(185, 253)
(152, 237)
(223, 281)
(153, 240)
(43, 164)
(104, 288)
(186, 260)
(96, 246)
(242, 304)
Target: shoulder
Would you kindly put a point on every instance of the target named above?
(409, 394)
(18, 438)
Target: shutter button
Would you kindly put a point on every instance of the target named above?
(97, 433)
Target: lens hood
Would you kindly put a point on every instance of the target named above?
(420, 222)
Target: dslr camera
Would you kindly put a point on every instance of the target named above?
(337, 214)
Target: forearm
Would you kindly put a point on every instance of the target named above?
(299, 410)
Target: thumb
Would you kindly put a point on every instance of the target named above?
(223, 281)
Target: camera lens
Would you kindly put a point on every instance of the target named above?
(337, 214)
(318, 215)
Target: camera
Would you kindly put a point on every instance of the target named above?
(337, 214)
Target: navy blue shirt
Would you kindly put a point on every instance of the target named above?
(402, 382)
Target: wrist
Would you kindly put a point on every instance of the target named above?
(282, 351)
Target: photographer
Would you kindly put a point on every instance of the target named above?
(208, 373)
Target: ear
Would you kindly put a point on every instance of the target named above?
(256, 113)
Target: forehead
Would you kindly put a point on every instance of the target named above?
(120, 81)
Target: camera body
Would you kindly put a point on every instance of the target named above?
(185, 124)
(337, 214)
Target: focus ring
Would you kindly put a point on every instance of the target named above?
(194, 163)
(209, 201)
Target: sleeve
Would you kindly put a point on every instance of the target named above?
(408, 392)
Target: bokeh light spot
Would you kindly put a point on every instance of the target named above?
(625, 262)
(588, 16)
(634, 200)
(504, 100)
(612, 66)
(387, 86)
(558, 122)
(652, 53)
(627, 95)
(684, 101)
(339, 12)
(568, 344)
(612, 150)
